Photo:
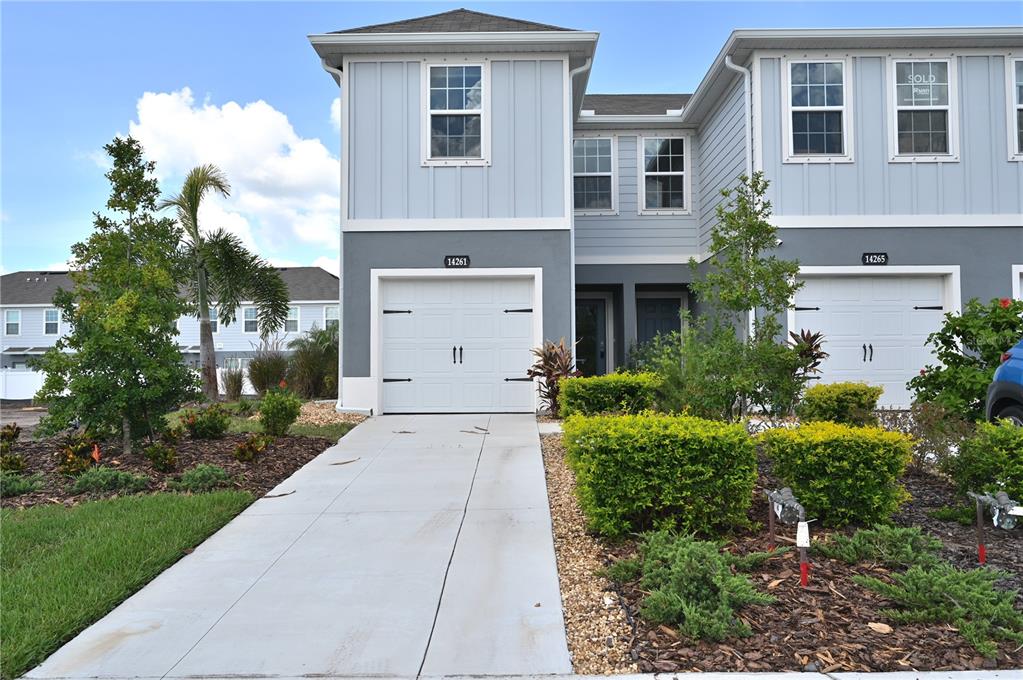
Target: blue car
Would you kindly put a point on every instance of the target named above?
(1005, 394)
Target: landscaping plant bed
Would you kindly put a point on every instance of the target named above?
(831, 626)
(278, 462)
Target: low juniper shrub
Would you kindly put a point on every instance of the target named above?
(278, 410)
(99, 479)
(891, 546)
(16, 484)
(162, 457)
(201, 479)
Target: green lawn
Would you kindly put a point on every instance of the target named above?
(64, 568)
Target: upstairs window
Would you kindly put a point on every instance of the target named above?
(214, 320)
(291, 324)
(12, 322)
(331, 315)
(924, 96)
(51, 322)
(250, 320)
(456, 112)
(592, 175)
(817, 109)
(1016, 108)
(663, 184)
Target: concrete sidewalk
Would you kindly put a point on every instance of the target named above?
(420, 545)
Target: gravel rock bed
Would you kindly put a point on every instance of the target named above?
(598, 631)
(325, 413)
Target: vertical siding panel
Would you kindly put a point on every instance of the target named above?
(552, 149)
(392, 148)
(420, 197)
(499, 178)
(526, 157)
(365, 140)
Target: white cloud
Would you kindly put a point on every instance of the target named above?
(284, 187)
(331, 264)
(335, 112)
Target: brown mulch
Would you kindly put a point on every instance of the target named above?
(825, 627)
(277, 463)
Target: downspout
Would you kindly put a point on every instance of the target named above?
(571, 209)
(747, 87)
(340, 254)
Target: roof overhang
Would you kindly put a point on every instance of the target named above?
(743, 42)
(622, 122)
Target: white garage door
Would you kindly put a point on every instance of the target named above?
(875, 327)
(457, 345)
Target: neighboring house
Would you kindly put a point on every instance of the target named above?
(488, 203)
(32, 325)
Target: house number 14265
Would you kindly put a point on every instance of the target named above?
(875, 258)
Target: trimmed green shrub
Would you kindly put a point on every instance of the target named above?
(841, 474)
(894, 547)
(234, 379)
(200, 479)
(636, 472)
(16, 484)
(207, 423)
(966, 599)
(844, 402)
(161, 456)
(991, 460)
(251, 447)
(692, 585)
(97, 479)
(613, 393)
(278, 410)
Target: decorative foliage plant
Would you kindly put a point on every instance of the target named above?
(553, 363)
(234, 379)
(278, 410)
(256, 444)
(210, 422)
(268, 367)
(9, 434)
(161, 456)
(312, 364)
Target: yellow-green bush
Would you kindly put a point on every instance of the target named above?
(845, 402)
(841, 474)
(612, 393)
(637, 472)
(991, 460)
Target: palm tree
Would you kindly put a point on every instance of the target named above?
(223, 273)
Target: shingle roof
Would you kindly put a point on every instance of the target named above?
(634, 104)
(456, 21)
(37, 287)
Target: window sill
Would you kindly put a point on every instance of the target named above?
(646, 211)
(455, 162)
(807, 160)
(942, 158)
(596, 213)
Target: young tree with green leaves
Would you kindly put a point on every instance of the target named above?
(119, 367)
(222, 272)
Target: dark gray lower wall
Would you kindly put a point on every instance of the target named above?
(984, 254)
(364, 251)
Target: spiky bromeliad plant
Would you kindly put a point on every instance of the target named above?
(554, 362)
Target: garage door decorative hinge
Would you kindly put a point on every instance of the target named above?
(518, 379)
(518, 311)
(807, 309)
(397, 379)
(397, 311)
(937, 307)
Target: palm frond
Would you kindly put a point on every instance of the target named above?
(234, 275)
(200, 181)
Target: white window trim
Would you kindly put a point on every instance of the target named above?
(12, 311)
(424, 89)
(245, 332)
(325, 319)
(846, 109)
(215, 318)
(54, 309)
(1015, 154)
(953, 111)
(1017, 281)
(298, 320)
(614, 174)
(686, 173)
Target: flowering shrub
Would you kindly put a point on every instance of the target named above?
(969, 347)
(208, 423)
(278, 409)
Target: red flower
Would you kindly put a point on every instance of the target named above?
(283, 384)
(923, 371)
(1005, 302)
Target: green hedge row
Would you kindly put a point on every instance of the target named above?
(846, 402)
(637, 472)
(612, 393)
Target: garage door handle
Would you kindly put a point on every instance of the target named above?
(871, 351)
(459, 355)
(453, 355)
(864, 351)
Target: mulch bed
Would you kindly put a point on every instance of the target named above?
(281, 459)
(824, 627)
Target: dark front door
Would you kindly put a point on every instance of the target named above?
(591, 332)
(657, 316)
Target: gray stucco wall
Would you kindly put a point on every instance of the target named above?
(363, 251)
(984, 181)
(985, 254)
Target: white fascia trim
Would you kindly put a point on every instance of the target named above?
(635, 259)
(951, 273)
(376, 337)
(459, 224)
(1015, 153)
(848, 144)
(489, 38)
(614, 174)
(867, 221)
(687, 174)
(1017, 281)
(892, 110)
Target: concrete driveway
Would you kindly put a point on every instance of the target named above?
(421, 545)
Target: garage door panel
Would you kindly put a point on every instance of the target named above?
(479, 324)
(398, 326)
(886, 323)
(844, 324)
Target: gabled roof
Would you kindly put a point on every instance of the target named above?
(634, 104)
(455, 21)
(38, 287)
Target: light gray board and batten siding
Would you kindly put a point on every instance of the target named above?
(365, 251)
(721, 156)
(628, 233)
(526, 176)
(983, 181)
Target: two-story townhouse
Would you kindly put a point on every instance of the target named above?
(894, 157)
(32, 324)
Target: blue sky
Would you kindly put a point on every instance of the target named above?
(237, 84)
